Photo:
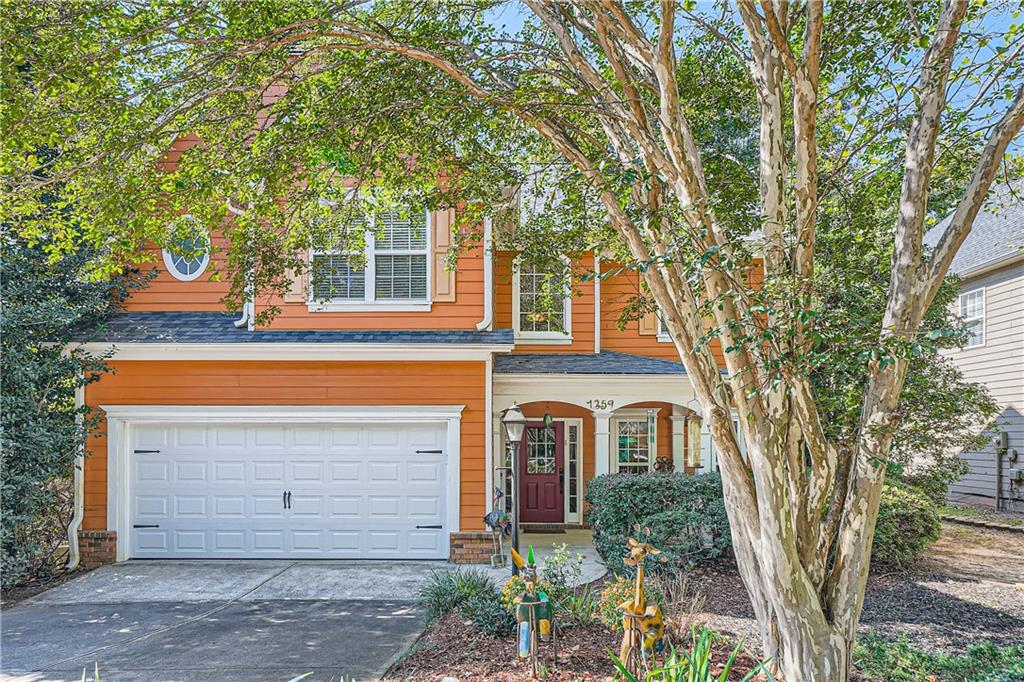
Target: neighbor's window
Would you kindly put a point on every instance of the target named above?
(542, 304)
(394, 267)
(634, 448)
(972, 310)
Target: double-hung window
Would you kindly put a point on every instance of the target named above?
(541, 304)
(393, 272)
(635, 442)
(972, 310)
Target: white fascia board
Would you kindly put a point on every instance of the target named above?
(295, 351)
(989, 266)
(283, 413)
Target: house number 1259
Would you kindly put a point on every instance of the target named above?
(600, 404)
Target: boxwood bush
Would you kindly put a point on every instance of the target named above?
(908, 521)
(681, 514)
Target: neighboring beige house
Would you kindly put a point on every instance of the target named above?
(991, 301)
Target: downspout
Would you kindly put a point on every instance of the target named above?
(597, 302)
(248, 317)
(74, 556)
(488, 279)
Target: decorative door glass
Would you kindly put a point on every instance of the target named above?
(540, 451)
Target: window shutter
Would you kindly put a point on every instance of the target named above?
(298, 292)
(649, 325)
(444, 280)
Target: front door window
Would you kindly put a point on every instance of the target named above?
(541, 490)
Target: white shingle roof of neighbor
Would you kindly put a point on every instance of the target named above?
(998, 231)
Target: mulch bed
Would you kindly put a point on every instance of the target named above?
(452, 647)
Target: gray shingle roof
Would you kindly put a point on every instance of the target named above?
(605, 362)
(998, 230)
(169, 327)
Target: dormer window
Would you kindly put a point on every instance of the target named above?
(393, 273)
(542, 304)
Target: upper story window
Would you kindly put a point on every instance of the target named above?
(393, 272)
(541, 305)
(188, 257)
(972, 310)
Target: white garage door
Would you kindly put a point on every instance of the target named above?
(285, 490)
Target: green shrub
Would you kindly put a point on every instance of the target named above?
(622, 590)
(448, 591)
(561, 570)
(899, 662)
(681, 514)
(515, 586)
(489, 616)
(907, 523)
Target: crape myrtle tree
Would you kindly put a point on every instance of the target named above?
(688, 142)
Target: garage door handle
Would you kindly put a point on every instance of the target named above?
(430, 452)
(438, 527)
(145, 525)
(289, 499)
(146, 452)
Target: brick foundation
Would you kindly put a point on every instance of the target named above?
(472, 547)
(96, 547)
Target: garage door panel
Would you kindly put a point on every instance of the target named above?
(357, 491)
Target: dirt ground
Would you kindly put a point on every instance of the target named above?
(967, 588)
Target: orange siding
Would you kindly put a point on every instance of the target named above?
(463, 313)
(616, 293)
(166, 293)
(582, 310)
(296, 383)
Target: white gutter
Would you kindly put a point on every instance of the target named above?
(74, 556)
(488, 320)
(597, 302)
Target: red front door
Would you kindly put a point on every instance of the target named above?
(540, 463)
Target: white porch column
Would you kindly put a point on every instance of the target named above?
(602, 442)
(678, 448)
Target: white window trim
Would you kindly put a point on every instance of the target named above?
(527, 338)
(169, 264)
(663, 335)
(369, 302)
(984, 311)
(631, 415)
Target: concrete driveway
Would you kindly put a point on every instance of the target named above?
(218, 620)
(158, 621)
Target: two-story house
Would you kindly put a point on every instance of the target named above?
(990, 264)
(364, 422)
